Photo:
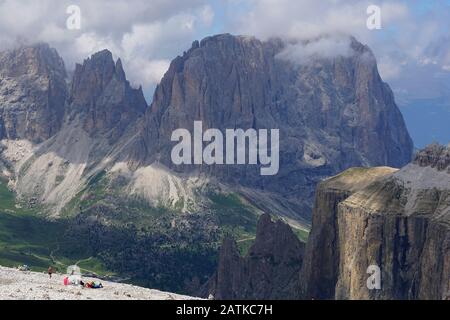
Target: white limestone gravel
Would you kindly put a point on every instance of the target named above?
(19, 285)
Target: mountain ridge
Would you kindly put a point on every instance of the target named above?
(105, 168)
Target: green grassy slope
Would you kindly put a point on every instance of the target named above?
(107, 233)
(27, 238)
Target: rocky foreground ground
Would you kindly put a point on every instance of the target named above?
(18, 285)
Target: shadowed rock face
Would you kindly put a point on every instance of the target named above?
(396, 220)
(79, 128)
(320, 270)
(332, 113)
(269, 270)
(103, 98)
(32, 93)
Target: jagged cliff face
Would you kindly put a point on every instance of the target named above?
(77, 129)
(398, 221)
(402, 225)
(32, 93)
(101, 94)
(268, 271)
(321, 264)
(332, 113)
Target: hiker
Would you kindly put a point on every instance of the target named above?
(50, 272)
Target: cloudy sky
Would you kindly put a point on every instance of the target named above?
(412, 47)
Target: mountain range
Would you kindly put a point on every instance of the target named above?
(90, 154)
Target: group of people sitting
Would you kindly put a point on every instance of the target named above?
(75, 279)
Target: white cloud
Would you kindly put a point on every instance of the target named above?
(410, 35)
(324, 47)
(149, 71)
(145, 34)
(402, 31)
(389, 69)
(89, 43)
(207, 15)
(310, 19)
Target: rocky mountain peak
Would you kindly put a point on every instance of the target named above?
(119, 72)
(269, 270)
(32, 92)
(272, 239)
(435, 156)
(103, 97)
(333, 113)
(92, 77)
(38, 59)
